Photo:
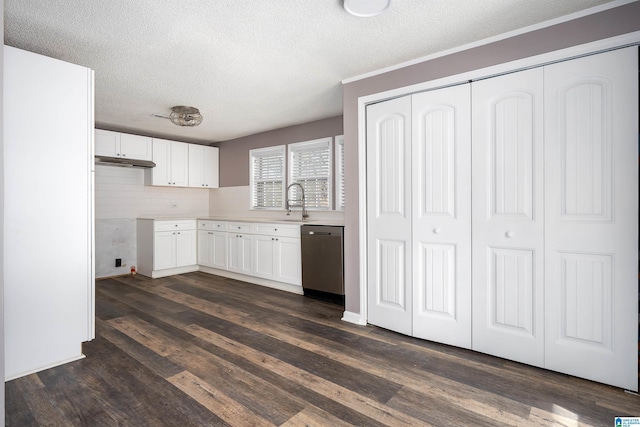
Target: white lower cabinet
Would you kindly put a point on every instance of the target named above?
(537, 263)
(166, 247)
(240, 238)
(212, 244)
(257, 251)
(277, 253)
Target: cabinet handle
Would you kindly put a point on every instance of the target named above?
(436, 231)
(178, 232)
(509, 234)
(124, 155)
(275, 229)
(118, 154)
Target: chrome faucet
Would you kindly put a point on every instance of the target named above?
(288, 204)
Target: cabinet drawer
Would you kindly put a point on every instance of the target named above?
(174, 225)
(241, 227)
(212, 225)
(278, 230)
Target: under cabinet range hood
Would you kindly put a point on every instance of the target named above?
(124, 162)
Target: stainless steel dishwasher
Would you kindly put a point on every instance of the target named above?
(322, 260)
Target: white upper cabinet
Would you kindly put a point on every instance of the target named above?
(172, 164)
(203, 166)
(116, 144)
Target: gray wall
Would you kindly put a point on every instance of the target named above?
(234, 154)
(610, 23)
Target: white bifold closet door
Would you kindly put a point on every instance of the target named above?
(419, 215)
(389, 214)
(508, 211)
(441, 220)
(591, 236)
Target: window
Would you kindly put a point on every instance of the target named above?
(310, 165)
(340, 172)
(267, 178)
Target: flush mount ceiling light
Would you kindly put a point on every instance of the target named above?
(185, 116)
(366, 8)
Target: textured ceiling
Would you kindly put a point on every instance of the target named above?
(248, 65)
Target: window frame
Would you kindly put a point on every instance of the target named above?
(339, 173)
(277, 150)
(301, 146)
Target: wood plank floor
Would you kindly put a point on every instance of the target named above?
(197, 350)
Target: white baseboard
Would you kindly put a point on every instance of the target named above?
(155, 274)
(296, 289)
(42, 368)
(354, 318)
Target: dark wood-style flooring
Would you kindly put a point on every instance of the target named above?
(198, 350)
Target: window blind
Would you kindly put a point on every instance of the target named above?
(310, 165)
(267, 178)
(340, 172)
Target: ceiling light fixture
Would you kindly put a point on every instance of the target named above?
(185, 116)
(366, 8)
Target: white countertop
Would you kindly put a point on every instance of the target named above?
(260, 220)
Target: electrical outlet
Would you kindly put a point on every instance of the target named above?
(118, 262)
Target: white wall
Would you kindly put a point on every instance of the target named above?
(233, 202)
(120, 198)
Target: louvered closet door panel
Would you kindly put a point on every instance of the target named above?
(508, 214)
(389, 214)
(591, 108)
(441, 170)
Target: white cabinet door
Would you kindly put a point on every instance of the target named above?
(185, 241)
(164, 250)
(172, 163)
(161, 173)
(196, 165)
(591, 236)
(264, 262)
(179, 164)
(205, 248)
(240, 259)
(389, 214)
(288, 260)
(218, 241)
(116, 144)
(107, 143)
(135, 147)
(203, 166)
(441, 185)
(211, 167)
(508, 217)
